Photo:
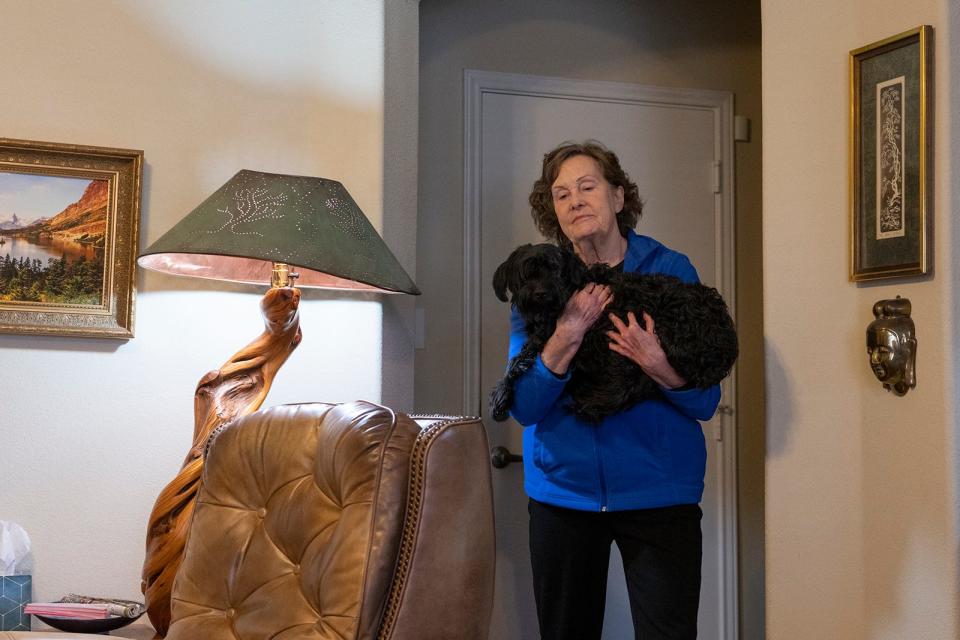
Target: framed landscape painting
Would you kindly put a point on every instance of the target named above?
(891, 157)
(69, 222)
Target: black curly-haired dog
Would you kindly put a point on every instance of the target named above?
(691, 320)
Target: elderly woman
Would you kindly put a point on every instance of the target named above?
(637, 477)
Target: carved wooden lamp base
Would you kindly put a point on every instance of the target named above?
(235, 389)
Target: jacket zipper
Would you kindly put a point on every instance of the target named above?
(603, 482)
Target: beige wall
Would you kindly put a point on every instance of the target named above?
(401, 25)
(861, 498)
(91, 430)
(686, 43)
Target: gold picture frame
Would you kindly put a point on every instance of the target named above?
(69, 234)
(891, 165)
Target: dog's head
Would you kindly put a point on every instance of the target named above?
(538, 279)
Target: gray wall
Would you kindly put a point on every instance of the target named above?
(684, 43)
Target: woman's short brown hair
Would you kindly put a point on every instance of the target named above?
(541, 198)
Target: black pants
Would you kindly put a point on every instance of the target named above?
(570, 553)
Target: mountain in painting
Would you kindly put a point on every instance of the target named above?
(86, 219)
(13, 221)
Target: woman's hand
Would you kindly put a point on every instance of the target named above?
(581, 311)
(642, 346)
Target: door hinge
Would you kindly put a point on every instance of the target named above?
(741, 129)
(717, 185)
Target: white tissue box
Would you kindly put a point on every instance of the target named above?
(15, 594)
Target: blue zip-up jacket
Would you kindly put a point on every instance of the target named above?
(651, 455)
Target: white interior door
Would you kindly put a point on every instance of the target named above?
(677, 146)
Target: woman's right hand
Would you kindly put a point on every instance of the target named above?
(582, 309)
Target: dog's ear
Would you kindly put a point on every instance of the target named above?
(500, 281)
(501, 277)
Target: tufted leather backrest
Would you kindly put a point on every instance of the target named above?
(308, 524)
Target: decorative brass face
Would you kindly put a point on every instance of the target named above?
(892, 345)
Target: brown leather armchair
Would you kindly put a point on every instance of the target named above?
(340, 521)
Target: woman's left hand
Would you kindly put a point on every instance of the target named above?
(642, 346)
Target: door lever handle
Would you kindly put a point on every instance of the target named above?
(500, 457)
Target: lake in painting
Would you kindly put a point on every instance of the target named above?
(44, 247)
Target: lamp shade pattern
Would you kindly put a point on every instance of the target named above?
(258, 218)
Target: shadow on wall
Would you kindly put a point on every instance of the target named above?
(780, 418)
(657, 30)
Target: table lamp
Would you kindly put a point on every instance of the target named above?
(258, 228)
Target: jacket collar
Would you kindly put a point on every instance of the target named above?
(638, 248)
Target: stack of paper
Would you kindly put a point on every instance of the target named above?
(118, 607)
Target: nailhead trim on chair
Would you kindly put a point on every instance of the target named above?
(213, 435)
(411, 521)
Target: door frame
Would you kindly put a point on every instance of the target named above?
(720, 103)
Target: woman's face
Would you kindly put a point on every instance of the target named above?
(586, 204)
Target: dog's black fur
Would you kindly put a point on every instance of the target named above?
(691, 321)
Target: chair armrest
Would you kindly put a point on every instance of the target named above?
(443, 587)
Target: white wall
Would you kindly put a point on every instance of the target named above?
(91, 430)
(861, 493)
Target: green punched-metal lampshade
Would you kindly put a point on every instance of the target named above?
(258, 218)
